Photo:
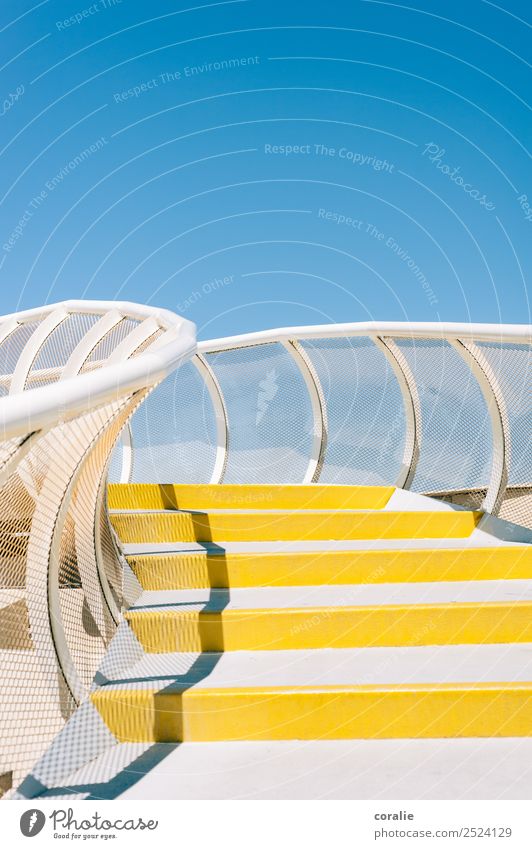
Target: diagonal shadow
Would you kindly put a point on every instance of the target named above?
(176, 685)
(122, 781)
(168, 712)
(219, 598)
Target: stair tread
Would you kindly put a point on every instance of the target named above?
(505, 662)
(334, 596)
(476, 540)
(463, 768)
(281, 511)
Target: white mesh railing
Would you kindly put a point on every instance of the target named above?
(442, 409)
(71, 376)
(439, 409)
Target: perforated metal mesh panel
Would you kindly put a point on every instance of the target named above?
(33, 699)
(60, 574)
(61, 469)
(269, 412)
(365, 411)
(112, 339)
(174, 433)
(58, 347)
(456, 439)
(512, 368)
(10, 351)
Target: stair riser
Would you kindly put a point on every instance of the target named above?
(253, 497)
(327, 713)
(344, 627)
(229, 527)
(200, 571)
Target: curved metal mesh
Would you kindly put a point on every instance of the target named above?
(269, 413)
(60, 575)
(456, 444)
(365, 411)
(58, 347)
(173, 433)
(512, 367)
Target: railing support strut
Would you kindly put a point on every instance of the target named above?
(319, 408)
(412, 408)
(500, 426)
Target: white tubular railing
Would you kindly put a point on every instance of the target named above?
(71, 376)
(443, 409)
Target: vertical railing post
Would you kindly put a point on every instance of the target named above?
(319, 408)
(126, 441)
(412, 408)
(481, 370)
(31, 350)
(220, 414)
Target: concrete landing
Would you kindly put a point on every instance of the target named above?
(329, 769)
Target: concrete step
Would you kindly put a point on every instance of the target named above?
(134, 496)
(217, 567)
(463, 768)
(370, 666)
(271, 618)
(335, 595)
(189, 526)
(174, 714)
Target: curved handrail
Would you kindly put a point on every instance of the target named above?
(76, 372)
(25, 411)
(60, 568)
(399, 329)
(477, 347)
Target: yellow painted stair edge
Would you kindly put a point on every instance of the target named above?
(313, 713)
(169, 630)
(263, 526)
(135, 496)
(200, 570)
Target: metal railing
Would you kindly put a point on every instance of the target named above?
(438, 408)
(71, 376)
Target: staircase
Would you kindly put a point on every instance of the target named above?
(317, 613)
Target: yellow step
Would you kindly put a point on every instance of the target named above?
(149, 496)
(313, 568)
(325, 712)
(170, 630)
(177, 526)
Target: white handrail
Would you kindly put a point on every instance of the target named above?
(474, 344)
(398, 329)
(24, 412)
(58, 562)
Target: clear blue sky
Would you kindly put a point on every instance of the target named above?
(257, 163)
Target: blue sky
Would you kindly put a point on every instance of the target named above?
(256, 164)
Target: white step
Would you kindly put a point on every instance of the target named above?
(498, 768)
(478, 539)
(349, 595)
(368, 666)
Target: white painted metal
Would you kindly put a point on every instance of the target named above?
(464, 338)
(412, 408)
(32, 348)
(88, 408)
(500, 427)
(396, 329)
(220, 415)
(126, 470)
(55, 442)
(25, 412)
(319, 408)
(89, 342)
